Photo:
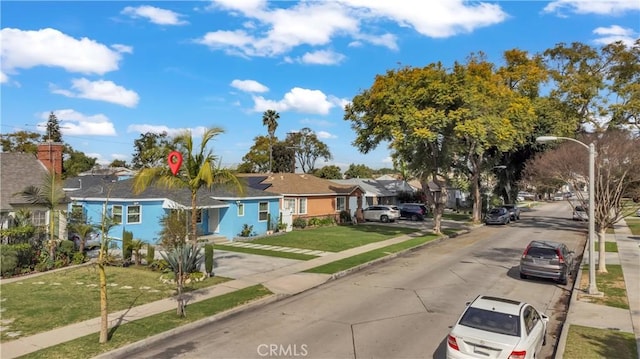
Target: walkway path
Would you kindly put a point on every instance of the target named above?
(268, 247)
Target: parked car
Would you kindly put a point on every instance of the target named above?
(492, 327)
(638, 212)
(498, 215)
(547, 259)
(558, 196)
(92, 240)
(514, 211)
(382, 213)
(413, 211)
(580, 214)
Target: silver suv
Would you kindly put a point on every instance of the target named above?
(382, 213)
(547, 259)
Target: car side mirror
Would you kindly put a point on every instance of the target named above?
(545, 318)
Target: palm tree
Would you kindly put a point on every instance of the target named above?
(270, 119)
(198, 171)
(50, 195)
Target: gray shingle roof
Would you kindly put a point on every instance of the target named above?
(17, 171)
(123, 189)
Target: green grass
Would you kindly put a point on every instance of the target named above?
(462, 217)
(608, 246)
(353, 261)
(634, 225)
(88, 346)
(56, 299)
(595, 343)
(264, 252)
(335, 238)
(612, 285)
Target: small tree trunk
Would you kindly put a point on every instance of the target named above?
(104, 312)
(602, 265)
(179, 282)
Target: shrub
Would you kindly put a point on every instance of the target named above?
(327, 221)
(127, 239)
(78, 258)
(151, 253)
(160, 265)
(247, 231)
(345, 216)
(208, 258)
(314, 222)
(299, 223)
(9, 261)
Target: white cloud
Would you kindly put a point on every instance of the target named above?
(100, 90)
(298, 100)
(144, 128)
(600, 7)
(123, 48)
(249, 86)
(50, 47)
(276, 31)
(75, 123)
(325, 135)
(322, 57)
(3, 77)
(155, 15)
(615, 33)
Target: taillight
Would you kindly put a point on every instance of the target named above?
(524, 254)
(518, 354)
(560, 257)
(451, 340)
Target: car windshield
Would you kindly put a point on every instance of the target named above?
(491, 321)
(547, 253)
(579, 209)
(497, 211)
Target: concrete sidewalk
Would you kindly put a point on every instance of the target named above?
(284, 280)
(583, 312)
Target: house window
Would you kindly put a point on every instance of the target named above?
(263, 211)
(240, 209)
(116, 214)
(341, 203)
(302, 206)
(289, 204)
(198, 216)
(133, 214)
(39, 218)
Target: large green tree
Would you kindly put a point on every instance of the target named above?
(150, 150)
(257, 159)
(53, 133)
(21, 141)
(308, 148)
(358, 171)
(76, 162)
(328, 172)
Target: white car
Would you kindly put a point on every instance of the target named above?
(492, 327)
(580, 214)
(382, 213)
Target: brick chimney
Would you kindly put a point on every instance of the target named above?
(50, 154)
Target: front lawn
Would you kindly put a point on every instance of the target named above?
(611, 284)
(123, 334)
(595, 343)
(335, 238)
(634, 225)
(60, 298)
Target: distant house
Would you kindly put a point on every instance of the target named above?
(395, 185)
(307, 196)
(20, 170)
(374, 192)
(221, 211)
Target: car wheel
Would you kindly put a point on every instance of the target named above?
(544, 338)
(414, 217)
(523, 276)
(384, 219)
(563, 280)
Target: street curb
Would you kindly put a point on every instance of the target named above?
(149, 341)
(573, 298)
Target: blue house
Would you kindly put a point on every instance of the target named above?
(222, 211)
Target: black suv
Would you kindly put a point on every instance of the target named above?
(413, 211)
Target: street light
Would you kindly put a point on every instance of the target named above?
(593, 289)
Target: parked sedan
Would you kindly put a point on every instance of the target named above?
(580, 214)
(514, 211)
(382, 213)
(547, 259)
(492, 327)
(498, 215)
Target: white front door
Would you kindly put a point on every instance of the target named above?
(214, 220)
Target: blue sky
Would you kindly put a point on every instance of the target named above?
(115, 69)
